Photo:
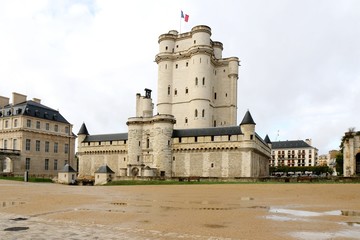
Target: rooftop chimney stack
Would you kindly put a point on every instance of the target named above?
(37, 100)
(18, 98)
(4, 101)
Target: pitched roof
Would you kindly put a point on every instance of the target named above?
(34, 109)
(106, 137)
(214, 131)
(83, 130)
(68, 168)
(290, 144)
(104, 169)
(247, 119)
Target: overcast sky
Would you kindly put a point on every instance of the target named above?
(299, 74)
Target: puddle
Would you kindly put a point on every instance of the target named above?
(119, 203)
(15, 229)
(247, 198)
(301, 213)
(10, 203)
(214, 226)
(216, 208)
(353, 224)
(259, 207)
(285, 219)
(19, 219)
(348, 234)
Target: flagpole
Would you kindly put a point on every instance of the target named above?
(180, 24)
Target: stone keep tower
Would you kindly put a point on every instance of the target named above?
(195, 84)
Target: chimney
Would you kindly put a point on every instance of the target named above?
(4, 101)
(37, 100)
(18, 98)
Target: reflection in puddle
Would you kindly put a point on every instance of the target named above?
(301, 213)
(348, 234)
(353, 224)
(351, 213)
(10, 203)
(351, 231)
(285, 219)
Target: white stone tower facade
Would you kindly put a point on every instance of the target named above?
(195, 84)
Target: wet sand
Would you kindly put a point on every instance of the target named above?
(224, 211)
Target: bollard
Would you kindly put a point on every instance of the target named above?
(26, 176)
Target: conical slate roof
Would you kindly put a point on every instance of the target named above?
(104, 169)
(267, 139)
(247, 119)
(83, 130)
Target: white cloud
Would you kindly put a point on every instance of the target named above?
(299, 69)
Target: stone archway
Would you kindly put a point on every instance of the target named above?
(357, 164)
(135, 171)
(7, 165)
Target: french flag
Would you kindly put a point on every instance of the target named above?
(184, 16)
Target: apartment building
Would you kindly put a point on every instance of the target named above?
(293, 153)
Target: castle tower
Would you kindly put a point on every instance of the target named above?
(195, 84)
(149, 140)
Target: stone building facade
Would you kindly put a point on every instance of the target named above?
(33, 137)
(194, 132)
(293, 153)
(351, 154)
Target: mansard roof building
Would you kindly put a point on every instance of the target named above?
(293, 153)
(33, 137)
(194, 131)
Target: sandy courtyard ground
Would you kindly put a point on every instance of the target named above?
(224, 211)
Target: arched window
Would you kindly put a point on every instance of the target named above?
(175, 92)
(187, 64)
(186, 120)
(186, 90)
(196, 112)
(196, 81)
(169, 90)
(203, 113)
(203, 80)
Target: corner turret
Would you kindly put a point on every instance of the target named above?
(82, 134)
(267, 140)
(247, 126)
